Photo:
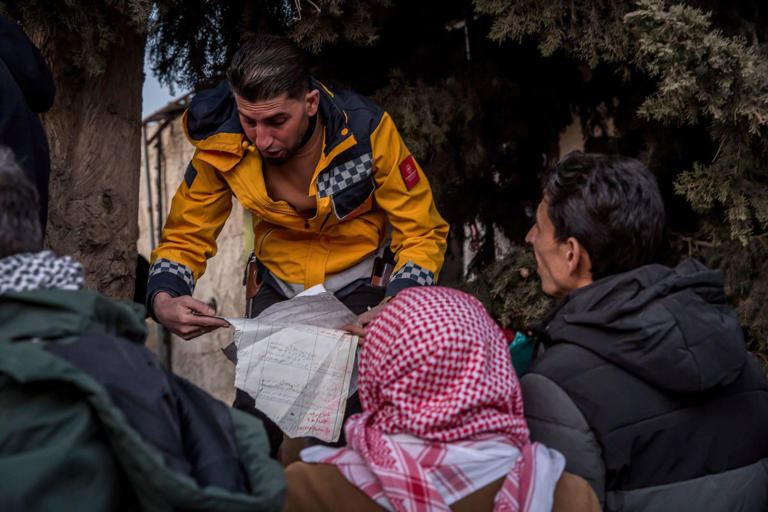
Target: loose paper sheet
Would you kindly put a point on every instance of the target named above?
(296, 366)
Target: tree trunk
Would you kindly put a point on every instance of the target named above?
(94, 130)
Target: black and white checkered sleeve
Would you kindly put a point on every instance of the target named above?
(409, 275)
(344, 175)
(169, 276)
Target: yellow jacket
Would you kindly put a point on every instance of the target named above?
(366, 177)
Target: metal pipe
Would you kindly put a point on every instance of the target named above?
(159, 177)
(148, 179)
(164, 339)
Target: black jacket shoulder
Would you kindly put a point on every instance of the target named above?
(213, 111)
(26, 64)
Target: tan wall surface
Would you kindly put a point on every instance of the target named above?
(571, 138)
(200, 360)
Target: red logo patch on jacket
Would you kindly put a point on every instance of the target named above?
(410, 172)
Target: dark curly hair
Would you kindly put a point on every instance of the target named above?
(612, 205)
(19, 209)
(267, 66)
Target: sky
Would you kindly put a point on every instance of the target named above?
(155, 96)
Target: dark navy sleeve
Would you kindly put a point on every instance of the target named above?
(171, 277)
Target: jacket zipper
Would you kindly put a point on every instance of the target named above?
(326, 220)
(327, 150)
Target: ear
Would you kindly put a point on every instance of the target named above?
(579, 262)
(312, 102)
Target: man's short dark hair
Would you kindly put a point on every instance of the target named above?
(611, 205)
(266, 67)
(19, 209)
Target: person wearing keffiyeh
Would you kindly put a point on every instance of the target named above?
(90, 419)
(442, 426)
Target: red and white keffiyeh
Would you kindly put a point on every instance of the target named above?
(443, 411)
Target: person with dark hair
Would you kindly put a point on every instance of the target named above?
(20, 231)
(606, 202)
(331, 185)
(329, 181)
(645, 383)
(26, 90)
(90, 419)
(267, 67)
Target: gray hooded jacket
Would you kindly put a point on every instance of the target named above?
(647, 388)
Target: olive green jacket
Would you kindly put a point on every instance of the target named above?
(90, 421)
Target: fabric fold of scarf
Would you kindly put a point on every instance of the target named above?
(443, 411)
(39, 271)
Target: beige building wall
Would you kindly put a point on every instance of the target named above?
(571, 139)
(199, 360)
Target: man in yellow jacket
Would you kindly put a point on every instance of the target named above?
(328, 179)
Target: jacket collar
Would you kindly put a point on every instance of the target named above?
(335, 118)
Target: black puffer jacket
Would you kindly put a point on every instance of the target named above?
(648, 390)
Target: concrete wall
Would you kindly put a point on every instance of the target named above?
(200, 360)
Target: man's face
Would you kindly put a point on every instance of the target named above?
(551, 255)
(277, 126)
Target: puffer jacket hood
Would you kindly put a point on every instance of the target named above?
(69, 314)
(668, 326)
(27, 66)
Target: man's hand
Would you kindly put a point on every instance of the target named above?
(185, 316)
(371, 314)
(366, 318)
(356, 329)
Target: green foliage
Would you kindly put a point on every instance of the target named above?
(327, 22)
(702, 77)
(427, 116)
(510, 289)
(85, 31)
(691, 101)
(423, 112)
(733, 184)
(591, 30)
(191, 41)
(705, 77)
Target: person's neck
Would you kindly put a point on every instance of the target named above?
(311, 125)
(309, 150)
(312, 137)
